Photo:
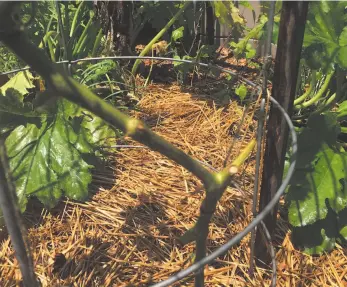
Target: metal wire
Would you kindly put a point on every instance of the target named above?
(271, 250)
(259, 218)
(265, 71)
(256, 178)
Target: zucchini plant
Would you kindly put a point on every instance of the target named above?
(317, 195)
(52, 143)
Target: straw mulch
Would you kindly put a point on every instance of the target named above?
(127, 234)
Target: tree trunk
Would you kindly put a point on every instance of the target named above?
(291, 34)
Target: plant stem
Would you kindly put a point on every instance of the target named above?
(303, 97)
(319, 94)
(97, 43)
(61, 32)
(150, 70)
(75, 19)
(158, 36)
(208, 207)
(84, 34)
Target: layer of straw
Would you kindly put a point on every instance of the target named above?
(127, 235)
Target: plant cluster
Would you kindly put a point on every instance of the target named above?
(316, 198)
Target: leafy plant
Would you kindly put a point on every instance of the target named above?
(65, 30)
(323, 58)
(317, 195)
(204, 52)
(227, 13)
(325, 39)
(241, 91)
(159, 35)
(48, 141)
(243, 47)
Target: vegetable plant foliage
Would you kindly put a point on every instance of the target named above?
(326, 34)
(48, 143)
(317, 196)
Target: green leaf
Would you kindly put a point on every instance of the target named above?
(325, 30)
(235, 14)
(21, 82)
(246, 4)
(318, 237)
(176, 63)
(323, 181)
(343, 37)
(225, 14)
(319, 181)
(47, 161)
(275, 33)
(342, 110)
(251, 52)
(342, 57)
(342, 224)
(178, 33)
(241, 91)
(255, 33)
(14, 112)
(220, 10)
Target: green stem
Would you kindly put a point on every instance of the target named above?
(318, 96)
(214, 193)
(158, 36)
(109, 83)
(61, 32)
(44, 40)
(208, 207)
(51, 48)
(74, 21)
(97, 43)
(84, 34)
(332, 100)
(303, 97)
(150, 71)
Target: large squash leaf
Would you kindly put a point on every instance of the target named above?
(22, 81)
(318, 192)
(47, 161)
(314, 189)
(51, 142)
(326, 31)
(13, 111)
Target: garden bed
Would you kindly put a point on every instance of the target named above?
(127, 235)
